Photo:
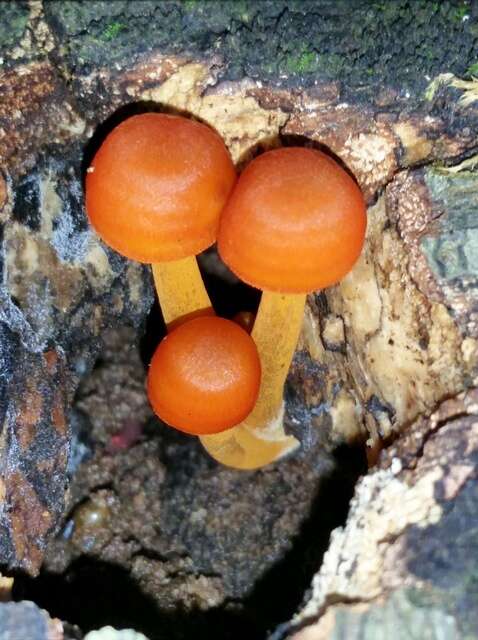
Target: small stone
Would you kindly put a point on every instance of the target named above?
(92, 520)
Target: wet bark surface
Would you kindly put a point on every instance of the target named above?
(386, 87)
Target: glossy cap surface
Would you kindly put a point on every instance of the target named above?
(156, 187)
(205, 376)
(294, 223)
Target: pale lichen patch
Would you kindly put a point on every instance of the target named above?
(361, 296)
(310, 336)
(469, 349)
(340, 404)
(135, 283)
(401, 353)
(30, 263)
(371, 156)
(398, 611)
(470, 90)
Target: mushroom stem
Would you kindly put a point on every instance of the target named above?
(276, 332)
(181, 291)
(260, 438)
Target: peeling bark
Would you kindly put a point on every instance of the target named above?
(410, 536)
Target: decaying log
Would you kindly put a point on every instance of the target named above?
(406, 558)
(387, 87)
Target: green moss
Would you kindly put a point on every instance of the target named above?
(388, 10)
(112, 30)
(306, 62)
(190, 5)
(332, 65)
(298, 41)
(13, 21)
(472, 70)
(460, 12)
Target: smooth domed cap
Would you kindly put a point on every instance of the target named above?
(295, 222)
(156, 187)
(205, 376)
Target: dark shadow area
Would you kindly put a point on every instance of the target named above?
(228, 294)
(154, 332)
(281, 591)
(95, 593)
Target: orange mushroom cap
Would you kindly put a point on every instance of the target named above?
(295, 222)
(157, 185)
(205, 376)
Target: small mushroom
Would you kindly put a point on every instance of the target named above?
(154, 193)
(204, 376)
(295, 223)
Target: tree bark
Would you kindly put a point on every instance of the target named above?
(391, 352)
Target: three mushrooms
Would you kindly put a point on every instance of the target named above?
(163, 188)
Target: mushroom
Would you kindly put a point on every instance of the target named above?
(295, 223)
(204, 376)
(154, 193)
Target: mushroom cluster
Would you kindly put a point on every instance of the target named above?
(163, 188)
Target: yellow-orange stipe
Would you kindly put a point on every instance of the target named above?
(181, 291)
(294, 223)
(242, 448)
(260, 439)
(276, 332)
